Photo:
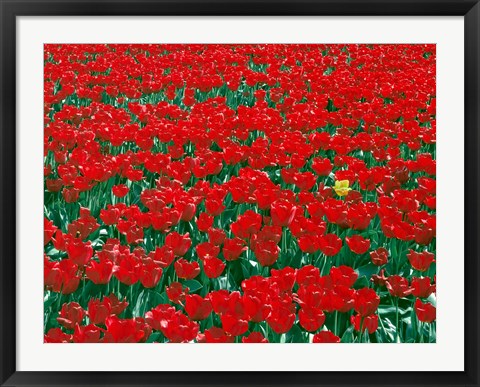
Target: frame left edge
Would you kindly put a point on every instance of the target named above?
(8, 194)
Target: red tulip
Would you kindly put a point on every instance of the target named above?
(150, 274)
(207, 250)
(70, 277)
(398, 286)
(186, 270)
(178, 243)
(220, 300)
(213, 267)
(322, 167)
(233, 248)
(347, 296)
(422, 287)
(156, 317)
(233, 325)
(122, 331)
(127, 271)
(70, 314)
(48, 230)
(331, 301)
(188, 211)
(117, 306)
(54, 185)
(162, 256)
(425, 312)
(99, 272)
(179, 329)
(70, 195)
(424, 235)
(366, 302)
(325, 337)
(98, 310)
(110, 216)
(311, 319)
(330, 244)
(283, 278)
(420, 261)
(217, 335)
(343, 275)
(52, 275)
(307, 275)
(214, 206)
(282, 317)
(204, 222)
(56, 335)
(308, 243)
(254, 337)
(79, 252)
(266, 252)
(358, 244)
(369, 323)
(247, 224)
(197, 307)
(379, 256)
(216, 236)
(176, 293)
(282, 212)
(87, 334)
(380, 279)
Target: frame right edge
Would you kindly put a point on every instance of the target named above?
(472, 160)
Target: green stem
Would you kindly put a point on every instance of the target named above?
(396, 323)
(59, 301)
(360, 333)
(335, 331)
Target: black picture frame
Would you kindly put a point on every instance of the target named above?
(9, 376)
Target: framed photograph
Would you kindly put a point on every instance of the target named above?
(239, 193)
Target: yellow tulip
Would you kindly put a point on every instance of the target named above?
(341, 187)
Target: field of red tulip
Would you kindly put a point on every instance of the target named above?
(271, 193)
